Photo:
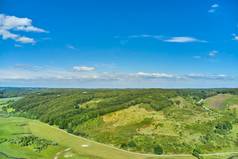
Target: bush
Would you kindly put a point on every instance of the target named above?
(131, 144)
(2, 140)
(223, 127)
(38, 144)
(196, 153)
(158, 150)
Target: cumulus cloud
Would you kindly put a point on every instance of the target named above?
(213, 8)
(183, 39)
(213, 53)
(84, 68)
(11, 24)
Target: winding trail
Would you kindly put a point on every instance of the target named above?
(61, 152)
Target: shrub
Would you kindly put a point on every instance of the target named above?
(158, 150)
(196, 153)
(223, 127)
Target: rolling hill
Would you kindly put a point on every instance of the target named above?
(148, 121)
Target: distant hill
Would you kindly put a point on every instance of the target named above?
(7, 92)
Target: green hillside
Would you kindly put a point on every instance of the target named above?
(155, 121)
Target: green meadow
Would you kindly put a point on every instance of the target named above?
(69, 146)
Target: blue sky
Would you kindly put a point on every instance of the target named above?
(156, 43)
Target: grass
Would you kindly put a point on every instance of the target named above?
(90, 104)
(222, 101)
(13, 127)
(16, 125)
(5, 101)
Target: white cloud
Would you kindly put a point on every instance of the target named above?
(235, 37)
(154, 75)
(157, 75)
(9, 24)
(30, 29)
(25, 40)
(213, 8)
(178, 39)
(84, 68)
(183, 39)
(209, 76)
(7, 35)
(213, 53)
(28, 73)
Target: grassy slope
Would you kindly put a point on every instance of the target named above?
(10, 126)
(65, 140)
(178, 129)
(13, 127)
(222, 101)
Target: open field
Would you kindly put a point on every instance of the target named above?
(70, 146)
(77, 147)
(222, 101)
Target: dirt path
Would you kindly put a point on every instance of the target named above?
(218, 154)
(61, 152)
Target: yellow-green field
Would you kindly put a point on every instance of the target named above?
(222, 101)
(70, 146)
